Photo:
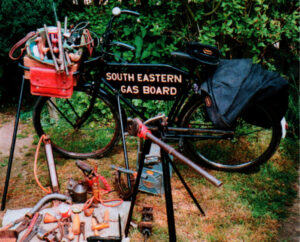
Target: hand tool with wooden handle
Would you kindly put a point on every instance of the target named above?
(50, 47)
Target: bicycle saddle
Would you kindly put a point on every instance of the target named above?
(201, 54)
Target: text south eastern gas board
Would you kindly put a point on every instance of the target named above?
(146, 85)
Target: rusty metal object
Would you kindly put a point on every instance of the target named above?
(79, 193)
(147, 213)
(60, 48)
(32, 231)
(70, 234)
(88, 212)
(121, 181)
(82, 230)
(50, 235)
(45, 199)
(8, 236)
(145, 226)
(8, 226)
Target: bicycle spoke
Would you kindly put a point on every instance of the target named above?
(72, 108)
(62, 114)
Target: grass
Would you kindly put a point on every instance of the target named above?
(248, 207)
(4, 162)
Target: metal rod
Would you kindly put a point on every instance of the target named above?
(185, 185)
(195, 137)
(12, 147)
(123, 141)
(168, 197)
(61, 54)
(136, 185)
(54, 10)
(203, 130)
(50, 47)
(65, 24)
(51, 165)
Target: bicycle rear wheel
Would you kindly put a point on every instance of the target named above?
(249, 146)
(83, 126)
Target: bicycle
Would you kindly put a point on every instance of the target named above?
(89, 124)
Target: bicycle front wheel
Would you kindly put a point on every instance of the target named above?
(249, 146)
(83, 126)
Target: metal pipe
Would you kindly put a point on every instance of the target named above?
(45, 199)
(123, 141)
(168, 196)
(51, 165)
(60, 49)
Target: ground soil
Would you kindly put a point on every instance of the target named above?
(289, 231)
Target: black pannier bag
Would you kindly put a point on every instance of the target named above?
(238, 88)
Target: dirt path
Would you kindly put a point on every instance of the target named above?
(23, 142)
(23, 145)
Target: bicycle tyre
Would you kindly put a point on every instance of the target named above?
(250, 146)
(95, 137)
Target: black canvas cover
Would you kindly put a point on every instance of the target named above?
(237, 87)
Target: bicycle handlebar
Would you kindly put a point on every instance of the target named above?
(108, 34)
(130, 12)
(123, 45)
(117, 12)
